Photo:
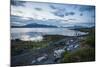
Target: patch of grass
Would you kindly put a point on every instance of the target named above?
(20, 47)
(82, 55)
(90, 39)
(53, 38)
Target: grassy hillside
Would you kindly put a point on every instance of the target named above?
(87, 50)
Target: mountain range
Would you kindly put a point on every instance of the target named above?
(35, 25)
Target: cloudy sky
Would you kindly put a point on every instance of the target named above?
(26, 12)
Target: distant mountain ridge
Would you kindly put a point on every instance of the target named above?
(34, 25)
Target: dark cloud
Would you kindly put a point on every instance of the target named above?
(58, 8)
(53, 7)
(87, 8)
(17, 3)
(59, 13)
(63, 13)
(69, 13)
(81, 14)
(39, 9)
(15, 18)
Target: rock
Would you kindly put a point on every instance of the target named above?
(58, 53)
(42, 58)
(34, 61)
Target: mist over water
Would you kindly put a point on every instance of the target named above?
(36, 34)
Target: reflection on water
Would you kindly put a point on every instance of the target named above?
(35, 34)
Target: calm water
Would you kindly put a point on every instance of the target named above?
(35, 34)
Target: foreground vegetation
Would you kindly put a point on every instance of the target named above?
(19, 47)
(86, 51)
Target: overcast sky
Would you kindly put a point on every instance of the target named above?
(25, 12)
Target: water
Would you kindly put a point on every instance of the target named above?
(35, 34)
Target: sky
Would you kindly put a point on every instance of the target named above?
(26, 12)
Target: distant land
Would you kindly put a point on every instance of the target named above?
(78, 27)
(35, 25)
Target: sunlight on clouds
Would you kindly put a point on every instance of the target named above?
(25, 18)
(48, 11)
(32, 13)
(17, 24)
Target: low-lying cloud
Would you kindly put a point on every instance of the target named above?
(29, 38)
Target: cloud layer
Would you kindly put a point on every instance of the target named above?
(24, 12)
